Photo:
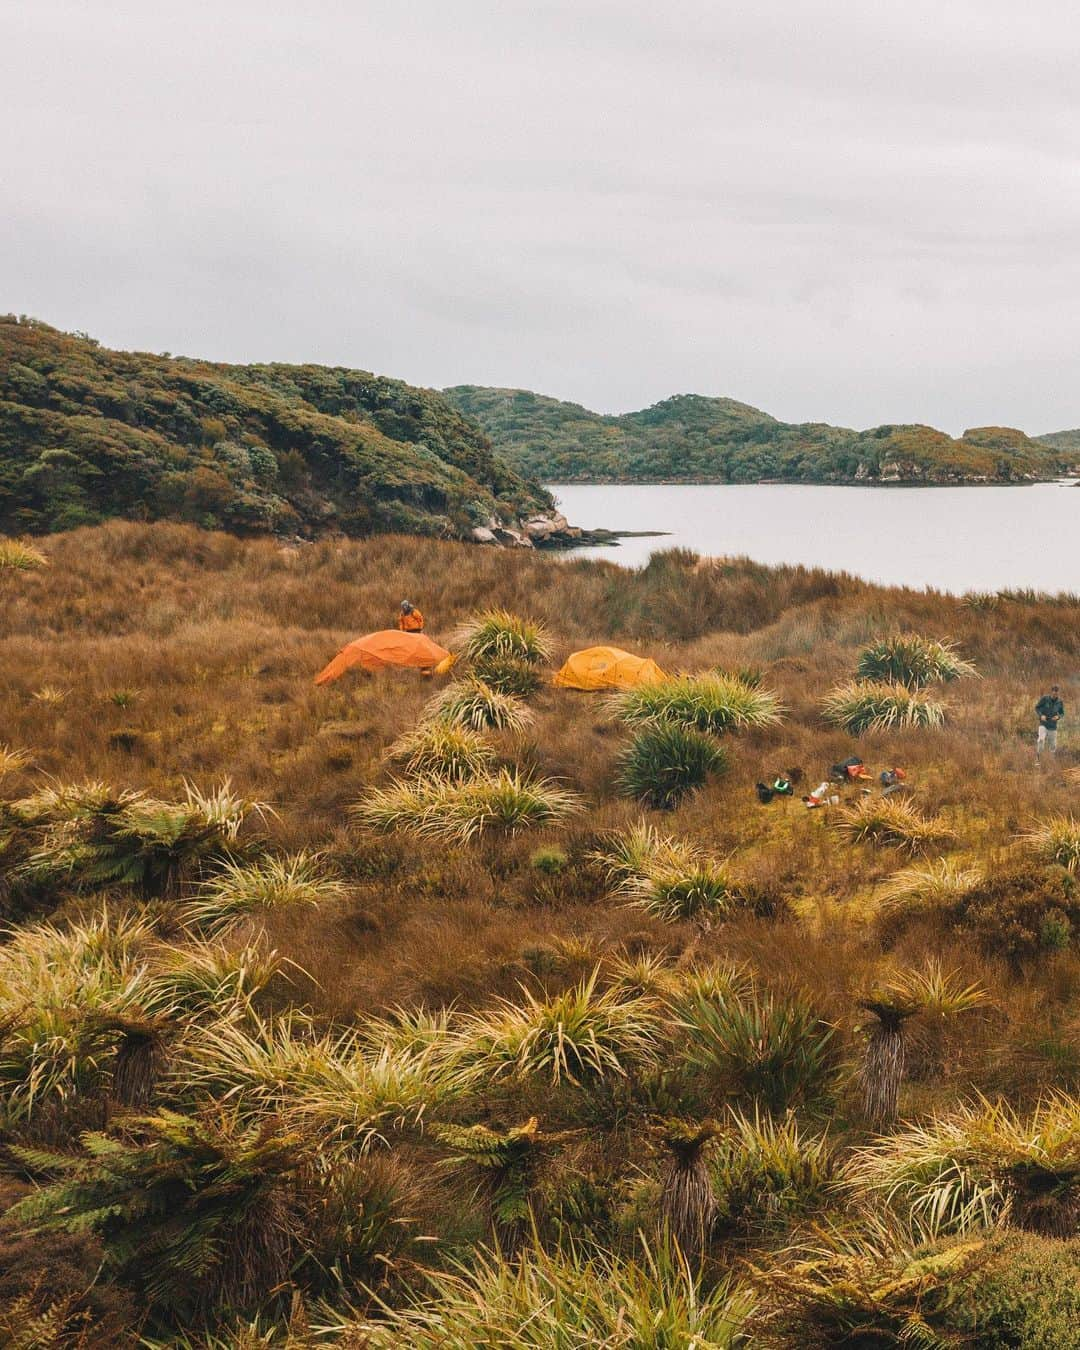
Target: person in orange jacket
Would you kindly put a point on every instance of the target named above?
(410, 620)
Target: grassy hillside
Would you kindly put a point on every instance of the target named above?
(461, 1043)
(1067, 442)
(694, 439)
(87, 434)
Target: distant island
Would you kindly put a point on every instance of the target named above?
(694, 439)
(87, 434)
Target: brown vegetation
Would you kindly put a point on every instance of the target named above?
(188, 658)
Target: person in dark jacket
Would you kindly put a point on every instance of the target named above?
(1049, 710)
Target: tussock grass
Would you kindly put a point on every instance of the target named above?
(767, 1173)
(438, 750)
(460, 812)
(859, 708)
(640, 850)
(472, 704)
(16, 556)
(913, 661)
(711, 703)
(271, 882)
(581, 1035)
(1055, 840)
(496, 633)
(664, 762)
(705, 890)
(508, 675)
(12, 760)
(941, 882)
(561, 1299)
(892, 823)
(982, 1164)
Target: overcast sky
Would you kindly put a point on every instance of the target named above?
(860, 211)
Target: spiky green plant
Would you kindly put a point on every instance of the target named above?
(687, 1201)
(711, 703)
(874, 1285)
(774, 1052)
(496, 633)
(209, 976)
(472, 704)
(892, 823)
(336, 1086)
(122, 698)
(62, 991)
(980, 1164)
(271, 882)
(640, 850)
(704, 890)
(1055, 840)
(436, 750)
(941, 882)
(58, 803)
(460, 812)
(577, 1036)
(560, 1300)
(199, 1211)
(664, 762)
(858, 708)
(508, 675)
(767, 1172)
(911, 660)
(16, 556)
(503, 1163)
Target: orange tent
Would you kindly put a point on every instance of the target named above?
(387, 648)
(607, 668)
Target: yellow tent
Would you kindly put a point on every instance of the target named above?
(607, 668)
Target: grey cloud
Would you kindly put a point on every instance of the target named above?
(846, 210)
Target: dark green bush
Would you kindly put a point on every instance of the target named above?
(664, 761)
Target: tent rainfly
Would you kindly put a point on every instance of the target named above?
(607, 668)
(388, 648)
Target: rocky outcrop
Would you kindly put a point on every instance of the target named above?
(552, 531)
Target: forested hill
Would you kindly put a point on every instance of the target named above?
(690, 438)
(87, 434)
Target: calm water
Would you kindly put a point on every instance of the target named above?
(953, 539)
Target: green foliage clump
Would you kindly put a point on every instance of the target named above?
(767, 1051)
(912, 661)
(551, 861)
(459, 812)
(704, 889)
(766, 1173)
(1025, 1296)
(892, 822)
(443, 750)
(663, 762)
(561, 1300)
(496, 634)
(472, 704)
(1056, 840)
(271, 882)
(712, 703)
(198, 1212)
(861, 707)
(16, 556)
(508, 675)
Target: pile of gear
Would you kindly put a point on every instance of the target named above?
(850, 771)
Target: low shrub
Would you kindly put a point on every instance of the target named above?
(911, 660)
(459, 812)
(664, 762)
(508, 675)
(886, 821)
(236, 889)
(498, 634)
(705, 889)
(1024, 1296)
(551, 861)
(1056, 840)
(1018, 912)
(858, 708)
(770, 1052)
(440, 750)
(472, 704)
(767, 1173)
(558, 1300)
(710, 703)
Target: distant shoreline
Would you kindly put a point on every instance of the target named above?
(800, 482)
